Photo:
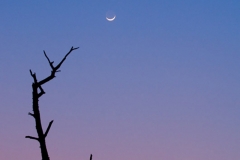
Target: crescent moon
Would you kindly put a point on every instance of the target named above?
(110, 19)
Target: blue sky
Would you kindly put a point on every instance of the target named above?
(161, 81)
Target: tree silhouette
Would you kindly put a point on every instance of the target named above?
(37, 92)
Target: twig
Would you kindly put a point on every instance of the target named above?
(48, 128)
(31, 114)
(30, 137)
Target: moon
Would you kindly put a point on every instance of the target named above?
(110, 19)
(110, 16)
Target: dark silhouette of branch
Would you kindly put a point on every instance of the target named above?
(54, 69)
(48, 128)
(31, 114)
(51, 63)
(41, 91)
(34, 76)
(36, 86)
(30, 137)
(91, 157)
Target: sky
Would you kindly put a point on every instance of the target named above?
(161, 81)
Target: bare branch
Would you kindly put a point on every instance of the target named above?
(34, 76)
(30, 137)
(48, 128)
(50, 63)
(41, 91)
(91, 157)
(59, 65)
(31, 72)
(37, 92)
(55, 69)
(31, 114)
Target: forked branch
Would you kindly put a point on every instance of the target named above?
(37, 92)
(54, 69)
(41, 91)
(34, 76)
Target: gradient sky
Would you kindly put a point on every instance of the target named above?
(161, 81)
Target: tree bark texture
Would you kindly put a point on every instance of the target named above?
(36, 87)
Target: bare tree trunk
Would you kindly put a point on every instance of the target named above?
(37, 85)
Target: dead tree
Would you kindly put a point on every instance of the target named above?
(37, 92)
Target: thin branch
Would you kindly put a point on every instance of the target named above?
(34, 76)
(50, 63)
(31, 72)
(31, 114)
(54, 69)
(59, 65)
(30, 137)
(48, 128)
(91, 157)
